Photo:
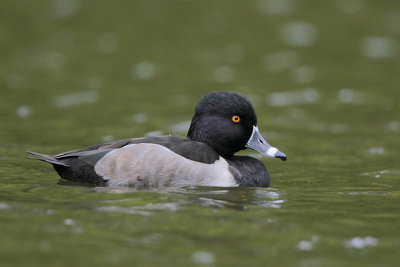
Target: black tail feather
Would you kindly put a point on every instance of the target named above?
(46, 158)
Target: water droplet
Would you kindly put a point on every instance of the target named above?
(17, 81)
(54, 60)
(299, 34)
(107, 42)
(233, 53)
(144, 70)
(281, 60)
(394, 126)
(203, 257)
(346, 95)
(360, 243)
(69, 222)
(350, 6)
(65, 8)
(94, 82)
(107, 138)
(181, 127)
(303, 74)
(392, 21)
(306, 96)
(75, 99)
(379, 47)
(23, 111)
(305, 245)
(275, 7)
(376, 151)
(224, 74)
(215, 23)
(4, 206)
(154, 133)
(140, 117)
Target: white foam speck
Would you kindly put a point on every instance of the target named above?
(299, 34)
(54, 60)
(224, 74)
(154, 133)
(215, 23)
(107, 138)
(392, 21)
(107, 42)
(94, 82)
(305, 245)
(4, 206)
(233, 53)
(350, 6)
(180, 127)
(378, 47)
(303, 74)
(339, 128)
(346, 95)
(360, 243)
(23, 111)
(144, 70)
(203, 257)
(140, 117)
(76, 99)
(44, 245)
(376, 151)
(275, 7)
(306, 96)
(17, 81)
(69, 222)
(394, 126)
(281, 60)
(65, 8)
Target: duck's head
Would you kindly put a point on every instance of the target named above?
(227, 122)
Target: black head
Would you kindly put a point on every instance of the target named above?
(224, 121)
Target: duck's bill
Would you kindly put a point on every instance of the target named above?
(258, 143)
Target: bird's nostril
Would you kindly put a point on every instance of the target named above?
(261, 141)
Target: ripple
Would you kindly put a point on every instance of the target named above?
(145, 210)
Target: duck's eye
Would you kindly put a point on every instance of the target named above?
(235, 119)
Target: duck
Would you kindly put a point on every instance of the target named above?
(223, 123)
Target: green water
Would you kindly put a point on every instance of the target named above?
(77, 73)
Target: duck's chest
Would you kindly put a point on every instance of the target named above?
(152, 164)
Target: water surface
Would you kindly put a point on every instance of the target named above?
(323, 78)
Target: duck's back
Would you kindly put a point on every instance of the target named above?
(165, 160)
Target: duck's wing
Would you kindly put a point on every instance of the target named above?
(80, 164)
(192, 150)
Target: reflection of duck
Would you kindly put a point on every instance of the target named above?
(223, 123)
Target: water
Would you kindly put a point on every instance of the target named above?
(324, 81)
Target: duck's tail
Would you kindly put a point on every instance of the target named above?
(47, 158)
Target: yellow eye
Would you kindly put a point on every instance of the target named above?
(236, 119)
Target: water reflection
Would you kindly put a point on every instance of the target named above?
(181, 197)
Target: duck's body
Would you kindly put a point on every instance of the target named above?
(224, 123)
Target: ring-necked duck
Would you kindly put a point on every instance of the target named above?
(223, 123)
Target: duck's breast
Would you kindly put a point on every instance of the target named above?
(153, 165)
